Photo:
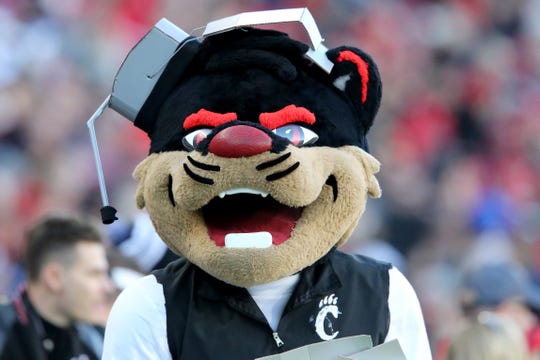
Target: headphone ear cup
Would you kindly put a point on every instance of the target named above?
(357, 76)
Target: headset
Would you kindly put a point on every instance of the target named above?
(151, 69)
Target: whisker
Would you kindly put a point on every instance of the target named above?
(266, 165)
(203, 166)
(280, 174)
(169, 188)
(196, 177)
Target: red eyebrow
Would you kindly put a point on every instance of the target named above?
(208, 118)
(289, 114)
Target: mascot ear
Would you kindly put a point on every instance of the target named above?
(356, 74)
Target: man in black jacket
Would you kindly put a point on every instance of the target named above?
(67, 289)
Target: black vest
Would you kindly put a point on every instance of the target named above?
(340, 295)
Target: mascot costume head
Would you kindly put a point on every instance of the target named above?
(258, 169)
(259, 161)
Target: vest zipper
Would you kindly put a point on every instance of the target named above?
(278, 340)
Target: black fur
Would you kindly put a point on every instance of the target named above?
(251, 71)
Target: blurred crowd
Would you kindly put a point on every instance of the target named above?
(458, 132)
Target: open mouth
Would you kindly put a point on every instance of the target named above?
(249, 220)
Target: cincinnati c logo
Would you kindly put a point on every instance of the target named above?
(323, 322)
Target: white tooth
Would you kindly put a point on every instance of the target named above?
(242, 191)
(259, 240)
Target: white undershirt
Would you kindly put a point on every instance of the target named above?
(141, 307)
(273, 296)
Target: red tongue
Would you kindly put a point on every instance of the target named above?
(277, 219)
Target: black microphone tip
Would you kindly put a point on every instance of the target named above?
(108, 214)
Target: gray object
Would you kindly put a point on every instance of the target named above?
(143, 67)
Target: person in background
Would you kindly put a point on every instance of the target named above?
(138, 240)
(65, 294)
(489, 337)
(123, 271)
(504, 288)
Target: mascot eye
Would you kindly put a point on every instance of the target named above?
(296, 134)
(194, 138)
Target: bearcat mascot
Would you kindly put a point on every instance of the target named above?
(258, 171)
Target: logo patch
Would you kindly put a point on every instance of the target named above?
(328, 312)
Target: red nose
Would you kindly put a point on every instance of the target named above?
(240, 141)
